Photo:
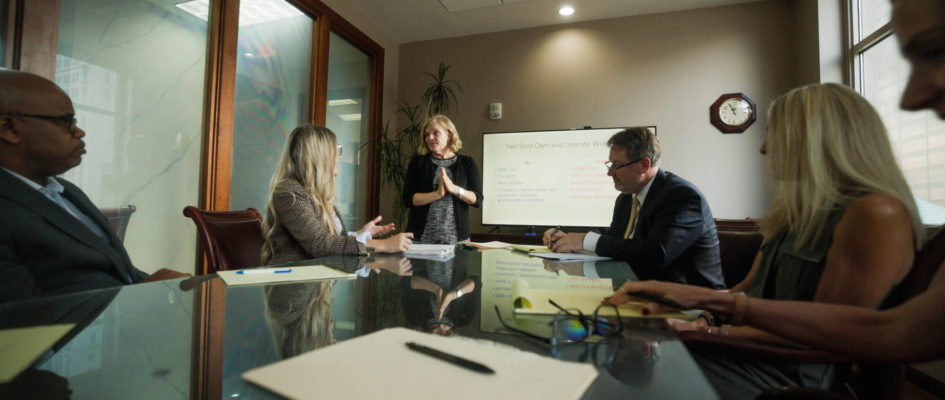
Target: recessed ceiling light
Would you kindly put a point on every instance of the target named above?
(566, 11)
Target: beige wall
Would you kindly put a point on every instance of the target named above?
(661, 69)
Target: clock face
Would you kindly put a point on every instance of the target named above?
(735, 111)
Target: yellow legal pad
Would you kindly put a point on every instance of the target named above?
(530, 301)
(19, 347)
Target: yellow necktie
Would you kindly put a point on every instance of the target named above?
(633, 216)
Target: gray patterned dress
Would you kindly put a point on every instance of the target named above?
(441, 225)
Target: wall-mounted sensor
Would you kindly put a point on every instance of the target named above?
(495, 111)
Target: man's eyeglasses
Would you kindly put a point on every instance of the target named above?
(67, 120)
(573, 326)
(611, 167)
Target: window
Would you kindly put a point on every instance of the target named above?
(880, 74)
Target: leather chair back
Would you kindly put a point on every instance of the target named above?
(228, 239)
(739, 241)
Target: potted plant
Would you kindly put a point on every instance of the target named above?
(395, 149)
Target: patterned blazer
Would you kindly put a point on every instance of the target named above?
(299, 234)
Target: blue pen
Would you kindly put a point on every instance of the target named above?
(263, 271)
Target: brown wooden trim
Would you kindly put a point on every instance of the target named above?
(322, 37)
(373, 203)
(207, 356)
(35, 49)
(220, 89)
(338, 24)
(13, 36)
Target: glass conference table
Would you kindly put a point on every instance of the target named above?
(193, 338)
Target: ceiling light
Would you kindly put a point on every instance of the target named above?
(251, 11)
(341, 102)
(350, 117)
(566, 11)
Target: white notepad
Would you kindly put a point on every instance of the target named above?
(269, 275)
(379, 366)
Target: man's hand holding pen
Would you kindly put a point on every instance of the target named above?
(560, 242)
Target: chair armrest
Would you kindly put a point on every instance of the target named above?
(753, 348)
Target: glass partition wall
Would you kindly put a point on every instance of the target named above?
(135, 72)
(273, 96)
(349, 85)
(189, 102)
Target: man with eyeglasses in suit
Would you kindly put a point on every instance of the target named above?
(662, 225)
(53, 240)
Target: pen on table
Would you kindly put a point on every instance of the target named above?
(455, 360)
(657, 299)
(263, 271)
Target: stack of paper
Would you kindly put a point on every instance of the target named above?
(430, 250)
(380, 366)
(528, 248)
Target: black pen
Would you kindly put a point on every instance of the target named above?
(657, 299)
(462, 362)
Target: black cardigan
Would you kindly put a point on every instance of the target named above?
(419, 179)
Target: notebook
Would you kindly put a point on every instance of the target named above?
(379, 366)
(527, 248)
(256, 276)
(19, 347)
(531, 301)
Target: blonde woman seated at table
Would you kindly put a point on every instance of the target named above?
(440, 185)
(301, 219)
(843, 227)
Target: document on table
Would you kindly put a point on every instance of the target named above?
(569, 256)
(529, 301)
(380, 366)
(428, 250)
(20, 347)
(257, 276)
(527, 248)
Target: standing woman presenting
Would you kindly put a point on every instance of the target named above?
(441, 185)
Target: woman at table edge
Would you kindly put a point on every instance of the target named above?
(900, 334)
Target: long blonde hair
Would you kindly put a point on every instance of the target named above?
(309, 159)
(309, 328)
(826, 147)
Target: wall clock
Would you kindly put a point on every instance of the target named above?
(732, 113)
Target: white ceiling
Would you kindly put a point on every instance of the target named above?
(417, 20)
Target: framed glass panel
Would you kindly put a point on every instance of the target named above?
(349, 94)
(135, 72)
(273, 96)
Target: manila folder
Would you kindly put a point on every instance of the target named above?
(380, 366)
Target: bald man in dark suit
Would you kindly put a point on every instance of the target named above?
(53, 240)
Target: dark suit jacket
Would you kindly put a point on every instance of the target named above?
(675, 237)
(44, 250)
